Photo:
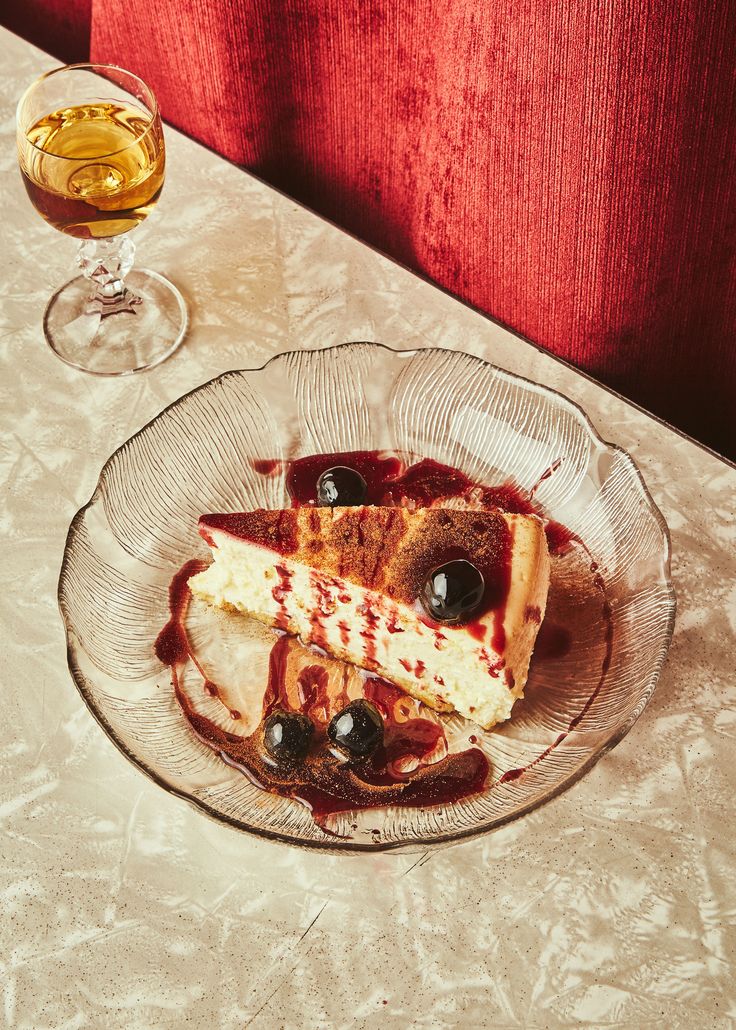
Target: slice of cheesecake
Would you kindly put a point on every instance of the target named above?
(349, 580)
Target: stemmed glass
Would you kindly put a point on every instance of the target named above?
(91, 154)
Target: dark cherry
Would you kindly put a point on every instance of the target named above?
(340, 486)
(453, 591)
(358, 728)
(287, 736)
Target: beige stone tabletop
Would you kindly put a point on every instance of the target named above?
(123, 906)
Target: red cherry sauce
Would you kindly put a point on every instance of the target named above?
(545, 476)
(172, 646)
(404, 737)
(425, 482)
(279, 594)
(511, 499)
(327, 783)
(267, 466)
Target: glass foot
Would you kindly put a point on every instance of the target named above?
(133, 332)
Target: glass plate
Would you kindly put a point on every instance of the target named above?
(198, 455)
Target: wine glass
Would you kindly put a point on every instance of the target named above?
(91, 154)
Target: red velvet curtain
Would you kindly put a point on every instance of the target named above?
(566, 167)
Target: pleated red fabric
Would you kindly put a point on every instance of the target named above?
(567, 168)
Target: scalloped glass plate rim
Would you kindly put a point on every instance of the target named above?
(354, 847)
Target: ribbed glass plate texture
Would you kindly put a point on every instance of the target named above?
(198, 455)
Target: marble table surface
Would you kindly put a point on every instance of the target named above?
(122, 906)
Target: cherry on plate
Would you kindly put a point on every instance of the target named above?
(453, 592)
(287, 736)
(340, 487)
(357, 729)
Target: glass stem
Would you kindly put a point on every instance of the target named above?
(105, 263)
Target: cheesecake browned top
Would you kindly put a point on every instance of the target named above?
(390, 550)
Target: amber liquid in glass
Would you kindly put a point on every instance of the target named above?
(94, 170)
